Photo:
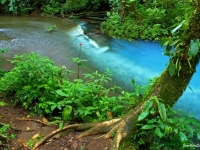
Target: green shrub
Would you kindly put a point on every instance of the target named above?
(90, 100)
(169, 129)
(76, 5)
(32, 80)
(16, 7)
(53, 7)
(148, 21)
(37, 84)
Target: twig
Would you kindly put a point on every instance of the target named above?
(25, 119)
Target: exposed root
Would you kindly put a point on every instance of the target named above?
(99, 128)
(89, 128)
(119, 127)
(39, 121)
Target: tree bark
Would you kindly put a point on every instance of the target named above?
(170, 88)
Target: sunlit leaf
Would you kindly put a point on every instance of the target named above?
(143, 115)
(152, 121)
(189, 129)
(61, 124)
(148, 105)
(98, 114)
(53, 106)
(162, 111)
(159, 133)
(61, 93)
(183, 136)
(66, 112)
(180, 25)
(147, 127)
(172, 68)
(166, 43)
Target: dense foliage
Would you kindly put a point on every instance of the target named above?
(167, 130)
(148, 20)
(52, 7)
(128, 19)
(37, 84)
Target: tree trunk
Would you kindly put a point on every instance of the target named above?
(170, 88)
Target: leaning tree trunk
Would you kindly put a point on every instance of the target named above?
(168, 88)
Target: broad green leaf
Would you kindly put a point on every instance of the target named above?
(166, 43)
(98, 114)
(194, 48)
(159, 133)
(183, 136)
(61, 93)
(172, 68)
(168, 130)
(189, 129)
(61, 124)
(66, 112)
(162, 111)
(53, 107)
(148, 105)
(147, 127)
(143, 115)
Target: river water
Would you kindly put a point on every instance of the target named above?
(138, 60)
